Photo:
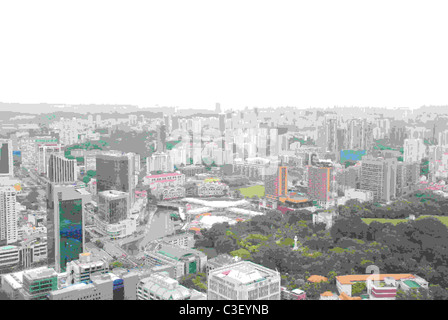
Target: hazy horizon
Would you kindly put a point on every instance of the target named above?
(239, 53)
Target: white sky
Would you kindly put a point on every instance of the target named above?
(237, 52)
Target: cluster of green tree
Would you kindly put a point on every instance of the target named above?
(196, 281)
(419, 247)
(235, 181)
(435, 292)
(417, 204)
(99, 244)
(31, 200)
(89, 176)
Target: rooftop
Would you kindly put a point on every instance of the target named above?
(164, 175)
(349, 279)
(244, 272)
(316, 278)
(39, 273)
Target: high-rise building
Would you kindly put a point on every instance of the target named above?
(414, 150)
(243, 280)
(379, 175)
(408, 174)
(44, 152)
(320, 184)
(6, 159)
(113, 206)
(116, 171)
(161, 138)
(65, 223)
(218, 108)
(62, 170)
(222, 122)
(8, 215)
(159, 161)
(331, 126)
(273, 142)
(276, 184)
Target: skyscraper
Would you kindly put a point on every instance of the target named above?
(44, 152)
(8, 215)
(414, 150)
(320, 184)
(113, 206)
(115, 171)
(65, 223)
(276, 184)
(379, 175)
(6, 160)
(61, 170)
(159, 161)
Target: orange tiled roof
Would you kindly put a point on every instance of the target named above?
(316, 278)
(345, 296)
(327, 294)
(349, 279)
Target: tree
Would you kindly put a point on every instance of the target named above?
(224, 244)
(358, 288)
(413, 294)
(99, 244)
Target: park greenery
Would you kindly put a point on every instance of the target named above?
(418, 247)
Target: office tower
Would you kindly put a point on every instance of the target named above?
(65, 223)
(174, 123)
(44, 152)
(397, 135)
(98, 118)
(161, 138)
(116, 171)
(414, 150)
(6, 160)
(320, 184)
(262, 143)
(443, 138)
(359, 135)
(218, 108)
(243, 280)
(331, 126)
(408, 175)
(159, 161)
(8, 215)
(222, 122)
(379, 175)
(196, 129)
(61, 170)
(273, 142)
(113, 206)
(276, 183)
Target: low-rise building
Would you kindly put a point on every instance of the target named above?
(38, 283)
(166, 186)
(84, 268)
(183, 260)
(105, 286)
(381, 286)
(295, 294)
(9, 257)
(243, 280)
(160, 286)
